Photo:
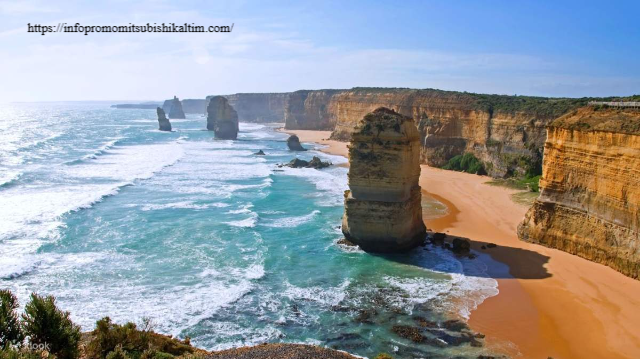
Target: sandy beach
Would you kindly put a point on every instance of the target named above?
(551, 303)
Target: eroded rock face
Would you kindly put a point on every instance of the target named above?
(163, 121)
(259, 107)
(222, 118)
(175, 110)
(383, 211)
(293, 142)
(589, 201)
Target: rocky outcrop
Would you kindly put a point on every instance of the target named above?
(293, 142)
(198, 106)
(163, 121)
(589, 202)
(175, 108)
(258, 107)
(222, 118)
(383, 211)
(315, 162)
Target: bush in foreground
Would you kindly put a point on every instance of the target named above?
(47, 325)
(10, 330)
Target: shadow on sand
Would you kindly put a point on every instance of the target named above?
(500, 262)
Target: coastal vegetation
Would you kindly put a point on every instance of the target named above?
(466, 163)
(45, 331)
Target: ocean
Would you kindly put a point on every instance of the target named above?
(115, 218)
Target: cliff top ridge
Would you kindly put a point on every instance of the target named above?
(601, 118)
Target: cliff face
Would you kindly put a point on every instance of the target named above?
(258, 107)
(222, 118)
(590, 189)
(163, 121)
(194, 106)
(383, 211)
(312, 110)
(508, 140)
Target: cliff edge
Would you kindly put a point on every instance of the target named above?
(590, 188)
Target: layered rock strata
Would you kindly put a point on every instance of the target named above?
(222, 119)
(590, 188)
(383, 211)
(293, 142)
(163, 121)
(175, 109)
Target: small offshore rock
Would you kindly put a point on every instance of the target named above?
(491, 245)
(163, 121)
(438, 237)
(407, 332)
(314, 163)
(293, 142)
(259, 153)
(346, 242)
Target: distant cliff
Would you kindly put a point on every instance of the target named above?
(505, 132)
(589, 201)
(144, 105)
(194, 106)
(258, 107)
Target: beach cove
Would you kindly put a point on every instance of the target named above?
(550, 303)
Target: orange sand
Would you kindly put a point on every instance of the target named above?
(556, 304)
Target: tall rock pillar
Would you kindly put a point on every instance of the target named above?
(382, 209)
(222, 118)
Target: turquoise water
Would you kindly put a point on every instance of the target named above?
(114, 217)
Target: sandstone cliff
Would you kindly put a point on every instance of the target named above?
(383, 211)
(590, 188)
(222, 118)
(311, 110)
(175, 108)
(258, 107)
(163, 121)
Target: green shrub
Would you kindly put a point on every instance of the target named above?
(117, 353)
(45, 324)
(465, 163)
(10, 330)
(383, 356)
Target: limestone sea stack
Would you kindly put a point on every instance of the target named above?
(589, 202)
(163, 121)
(382, 208)
(176, 109)
(293, 142)
(222, 118)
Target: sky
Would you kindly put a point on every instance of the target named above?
(541, 48)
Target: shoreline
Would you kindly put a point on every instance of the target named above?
(550, 303)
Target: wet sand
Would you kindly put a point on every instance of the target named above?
(551, 303)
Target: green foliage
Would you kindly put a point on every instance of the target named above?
(10, 330)
(133, 342)
(532, 183)
(45, 324)
(465, 163)
(383, 356)
(13, 353)
(117, 353)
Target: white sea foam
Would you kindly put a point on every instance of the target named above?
(183, 205)
(327, 296)
(332, 180)
(291, 222)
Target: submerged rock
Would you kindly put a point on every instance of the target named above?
(383, 211)
(314, 163)
(259, 153)
(293, 142)
(222, 119)
(163, 121)
(460, 245)
(175, 110)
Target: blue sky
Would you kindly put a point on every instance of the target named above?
(547, 48)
